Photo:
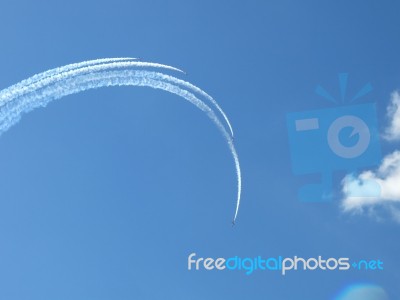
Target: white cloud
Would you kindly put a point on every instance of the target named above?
(377, 191)
(393, 131)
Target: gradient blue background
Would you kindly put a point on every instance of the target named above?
(104, 194)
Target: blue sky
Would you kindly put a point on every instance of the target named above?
(104, 194)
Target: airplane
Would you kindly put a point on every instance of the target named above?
(233, 223)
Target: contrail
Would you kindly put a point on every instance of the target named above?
(20, 99)
(60, 73)
(17, 90)
(66, 68)
(201, 92)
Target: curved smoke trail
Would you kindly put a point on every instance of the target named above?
(61, 73)
(41, 89)
(66, 68)
(19, 89)
(200, 92)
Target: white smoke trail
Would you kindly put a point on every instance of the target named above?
(66, 68)
(201, 92)
(24, 99)
(18, 89)
(48, 77)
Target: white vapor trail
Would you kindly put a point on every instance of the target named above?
(18, 90)
(42, 88)
(66, 68)
(202, 93)
(40, 80)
